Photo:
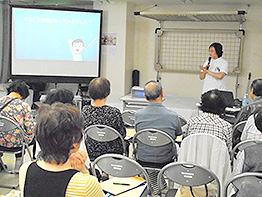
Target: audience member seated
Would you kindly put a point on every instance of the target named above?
(54, 96)
(256, 95)
(102, 114)
(250, 159)
(61, 170)
(13, 107)
(212, 104)
(156, 116)
(250, 131)
(60, 95)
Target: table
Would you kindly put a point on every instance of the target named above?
(130, 103)
(185, 106)
(230, 113)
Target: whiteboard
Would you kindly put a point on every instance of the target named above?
(183, 50)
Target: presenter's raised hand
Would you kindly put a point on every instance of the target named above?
(70, 41)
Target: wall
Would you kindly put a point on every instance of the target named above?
(130, 34)
(136, 47)
(189, 84)
(117, 68)
(252, 60)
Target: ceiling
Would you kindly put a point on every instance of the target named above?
(141, 2)
(192, 2)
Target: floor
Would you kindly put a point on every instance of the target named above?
(10, 179)
(5, 178)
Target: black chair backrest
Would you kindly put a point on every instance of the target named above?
(153, 137)
(120, 166)
(188, 174)
(129, 118)
(182, 120)
(248, 110)
(237, 132)
(103, 133)
(242, 145)
(6, 124)
(246, 182)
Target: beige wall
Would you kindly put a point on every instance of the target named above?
(136, 47)
(189, 84)
(118, 18)
(130, 33)
(252, 59)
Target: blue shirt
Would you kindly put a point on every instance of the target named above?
(156, 116)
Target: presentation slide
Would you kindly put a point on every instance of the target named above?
(55, 42)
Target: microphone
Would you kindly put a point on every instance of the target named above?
(209, 59)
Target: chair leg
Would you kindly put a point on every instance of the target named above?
(1, 162)
(9, 187)
(30, 156)
(5, 167)
(23, 152)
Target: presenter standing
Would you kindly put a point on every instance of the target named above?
(215, 69)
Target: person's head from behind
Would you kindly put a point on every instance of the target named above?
(19, 87)
(58, 132)
(99, 88)
(256, 88)
(215, 50)
(153, 91)
(213, 102)
(60, 95)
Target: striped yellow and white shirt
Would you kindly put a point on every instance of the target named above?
(80, 184)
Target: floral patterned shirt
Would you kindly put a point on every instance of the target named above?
(105, 115)
(20, 112)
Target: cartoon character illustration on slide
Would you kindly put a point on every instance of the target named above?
(77, 46)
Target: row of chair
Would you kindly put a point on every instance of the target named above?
(193, 175)
(129, 120)
(149, 137)
(153, 137)
(183, 173)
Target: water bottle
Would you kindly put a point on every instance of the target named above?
(244, 100)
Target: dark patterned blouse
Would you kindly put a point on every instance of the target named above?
(20, 112)
(105, 115)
